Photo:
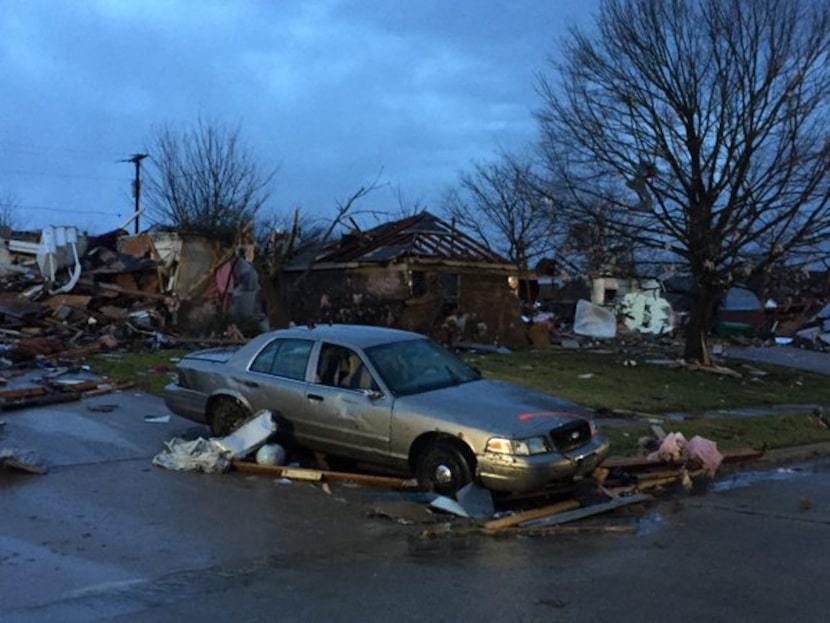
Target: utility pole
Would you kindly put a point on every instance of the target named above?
(136, 160)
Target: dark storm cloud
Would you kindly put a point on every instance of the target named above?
(331, 93)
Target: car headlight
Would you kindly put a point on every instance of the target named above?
(518, 447)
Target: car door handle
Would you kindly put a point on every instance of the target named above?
(247, 383)
(315, 397)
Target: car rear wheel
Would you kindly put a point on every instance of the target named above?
(226, 414)
(443, 468)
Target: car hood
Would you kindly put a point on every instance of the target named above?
(496, 406)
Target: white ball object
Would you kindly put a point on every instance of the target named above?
(271, 454)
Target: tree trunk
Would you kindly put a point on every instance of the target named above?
(697, 331)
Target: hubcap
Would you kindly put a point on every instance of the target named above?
(443, 474)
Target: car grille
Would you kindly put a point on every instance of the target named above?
(571, 435)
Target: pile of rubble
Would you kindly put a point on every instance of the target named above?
(68, 294)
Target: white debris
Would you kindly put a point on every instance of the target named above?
(250, 436)
(594, 321)
(215, 455)
(205, 455)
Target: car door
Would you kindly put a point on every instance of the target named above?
(347, 413)
(276, 377)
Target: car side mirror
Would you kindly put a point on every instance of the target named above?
(372, 394)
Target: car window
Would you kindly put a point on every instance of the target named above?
(284, 357)
(339, 366)
(414, 366)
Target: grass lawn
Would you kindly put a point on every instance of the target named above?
(150, 370)
(759, 432)
(602, 381)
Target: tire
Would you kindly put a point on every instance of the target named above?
(443, 468)
(226, 414)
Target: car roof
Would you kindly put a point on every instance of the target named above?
(362, 336)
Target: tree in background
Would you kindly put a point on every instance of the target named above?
(496, 202)
(699, 128)
(204, 179)
(8, 211)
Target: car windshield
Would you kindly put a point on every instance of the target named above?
(419, 365)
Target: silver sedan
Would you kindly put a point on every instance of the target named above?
(392, 398)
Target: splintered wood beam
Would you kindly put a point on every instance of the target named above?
(320, 474)
(39, 401)
(585, 511)
(514, 520)
(448, 530)
(25, 392)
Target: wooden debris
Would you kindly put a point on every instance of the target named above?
(514, 520)
(585, 511)
(301, 474)
(39, 401)
(23, 392)
(21, 461)
(107, 388)
(318, 474)
(111, 287)
(447, 530)
(56, 393)
(680, 477)
(635, 463)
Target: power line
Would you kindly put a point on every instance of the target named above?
(60, 175)
(39, 150)
(73, 210)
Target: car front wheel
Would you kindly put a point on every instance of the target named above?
(226, 415)
(442, 467)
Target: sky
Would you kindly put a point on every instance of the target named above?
(331, 94)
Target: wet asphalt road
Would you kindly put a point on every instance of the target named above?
(105, 536)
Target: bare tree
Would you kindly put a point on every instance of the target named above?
(497, 202)
(8, 211)
(204, 179)
(345, 209)
(711, 117)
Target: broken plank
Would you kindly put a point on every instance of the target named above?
(106, 389)
(364, 479)
(446, 530)
(39, 401)
(513, 520)
(23, 392)
(585, 511)
(23, 466)
(66, 385)
(302, 474)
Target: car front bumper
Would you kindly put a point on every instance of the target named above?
(185, 402)
(501, 472)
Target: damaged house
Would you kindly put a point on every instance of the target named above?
(418, 273)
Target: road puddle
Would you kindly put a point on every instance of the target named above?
(745, 479)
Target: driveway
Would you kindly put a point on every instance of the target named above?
(106, 536)
(790, 356)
